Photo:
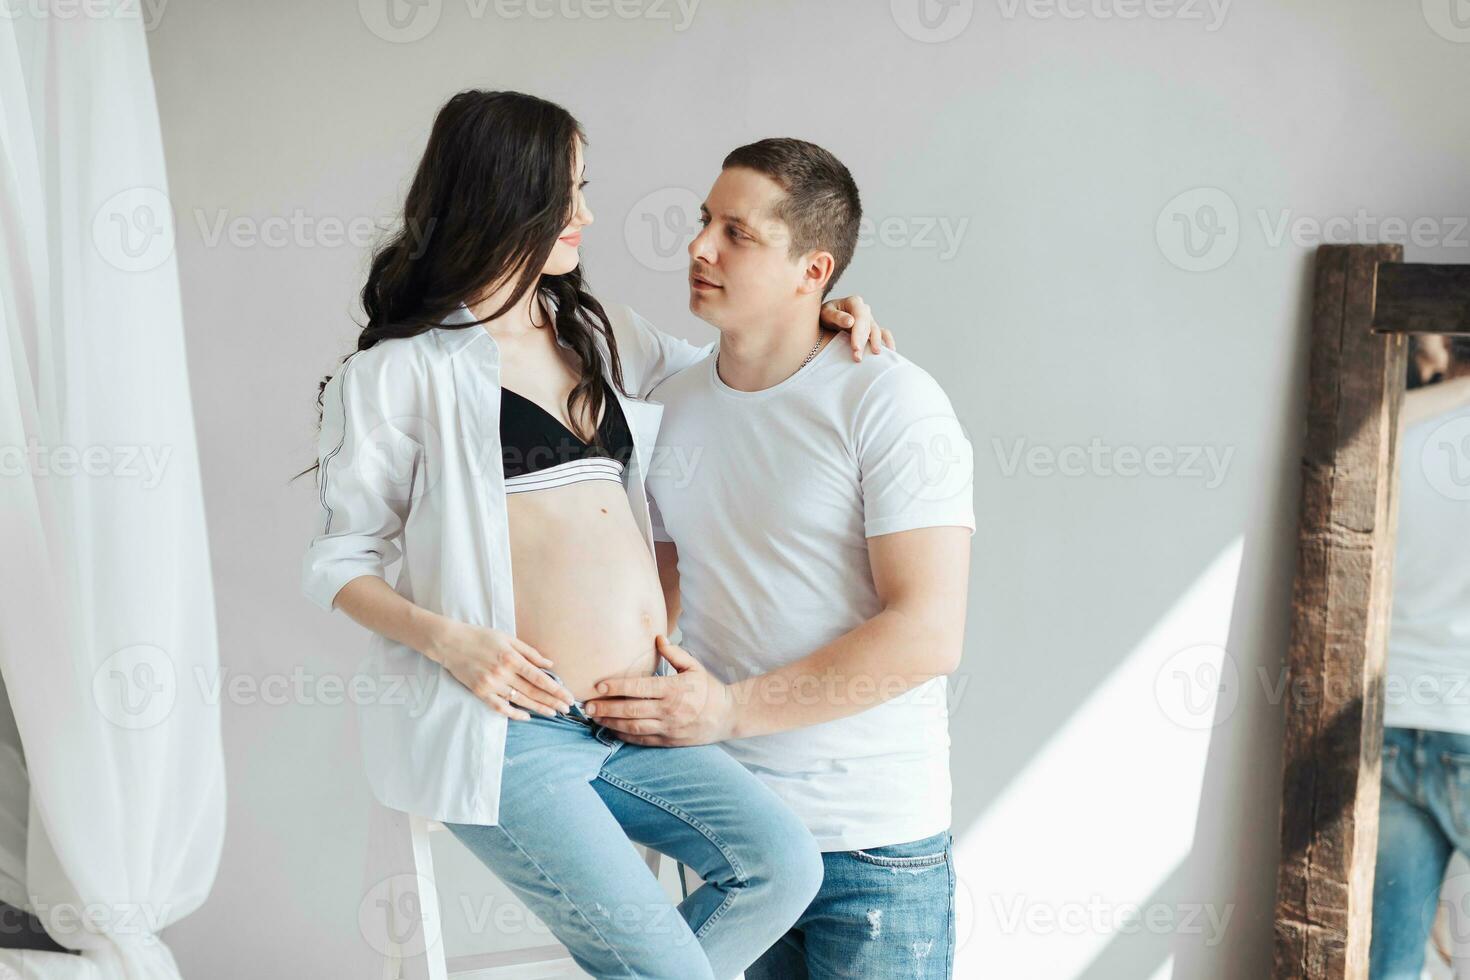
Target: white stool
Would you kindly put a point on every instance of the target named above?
(399, 914)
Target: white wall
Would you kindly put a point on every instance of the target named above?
(1098, 766)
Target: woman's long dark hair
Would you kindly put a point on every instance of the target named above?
(491, 196)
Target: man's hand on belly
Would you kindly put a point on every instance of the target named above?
(690, 707)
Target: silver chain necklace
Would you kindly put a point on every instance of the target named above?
(812, 354)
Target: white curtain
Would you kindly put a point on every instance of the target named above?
(107, 631)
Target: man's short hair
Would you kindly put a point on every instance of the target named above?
(821, 206)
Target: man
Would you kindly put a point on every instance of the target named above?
(1424, 804)
(815, 516)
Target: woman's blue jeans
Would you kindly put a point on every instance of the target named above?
(573, 799)
(1423, 817)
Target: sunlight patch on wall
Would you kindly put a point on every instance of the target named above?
(1070, 855)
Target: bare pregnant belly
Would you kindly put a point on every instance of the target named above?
(586, 586)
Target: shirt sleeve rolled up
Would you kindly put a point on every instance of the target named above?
(367, 461)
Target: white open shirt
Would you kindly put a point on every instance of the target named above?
(411, 467)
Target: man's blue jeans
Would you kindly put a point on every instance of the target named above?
(882, 912)
(1423, 817)
(573, 795)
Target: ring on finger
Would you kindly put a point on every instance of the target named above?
(527, 701)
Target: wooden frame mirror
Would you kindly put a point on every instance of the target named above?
(1367, 300)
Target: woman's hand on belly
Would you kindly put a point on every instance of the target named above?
(499, 669)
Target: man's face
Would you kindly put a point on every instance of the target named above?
(740, 271)
(1431, 356)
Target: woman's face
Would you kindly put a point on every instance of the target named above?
(565, 253)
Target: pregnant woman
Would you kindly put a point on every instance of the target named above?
(491, 430)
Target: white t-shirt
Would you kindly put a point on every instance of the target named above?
(770, 497)
(1428, 673)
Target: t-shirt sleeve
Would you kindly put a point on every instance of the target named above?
(915, 460)
(656, 521)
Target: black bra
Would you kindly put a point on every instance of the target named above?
(539, 452)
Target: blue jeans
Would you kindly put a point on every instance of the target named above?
(573, 795)
(881, 912)
(1423, 817)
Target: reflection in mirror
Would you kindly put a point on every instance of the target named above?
(1421, 892)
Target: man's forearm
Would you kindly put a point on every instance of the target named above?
(889, 654)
